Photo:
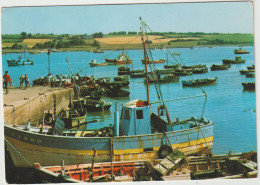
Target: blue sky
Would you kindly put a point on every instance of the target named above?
(225, 17)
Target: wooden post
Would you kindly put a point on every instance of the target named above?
(92, 166)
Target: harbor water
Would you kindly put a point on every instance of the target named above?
(230, 107)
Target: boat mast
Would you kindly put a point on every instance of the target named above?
(145, 58)
(49, 65)
(74, 82)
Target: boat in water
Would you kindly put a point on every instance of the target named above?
(163, 79)
(149, 61)
(182, 72)
(237, 60)
(245, 71)
(94, 64)
(250, 75)
(199, 82)
(251, 67)
(19, 62)
(200, 70)
(241, 51)
(193, 66)
(73, 118)
(248, 85)
(121, 59)
(137, 134)
(216, 67)
(92, 105)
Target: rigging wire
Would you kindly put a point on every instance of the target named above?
(180, 63)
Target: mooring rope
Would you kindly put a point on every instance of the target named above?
(19, 153)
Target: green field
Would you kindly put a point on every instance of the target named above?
(169, 39)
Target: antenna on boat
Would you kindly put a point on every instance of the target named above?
(145, 58)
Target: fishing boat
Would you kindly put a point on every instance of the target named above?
(251, 67)
(138, 134)
(163, 79)
(96, 172)
(248, 85)
(164, 71)
(241, 51)
(19, 62)
(92, 105)
(173, 66)
(138, 75)
(245, 71)
(123, 70)
(215, 67)
(73, 118)
(200, 70)
(94, 64)
(237, 60)
(121, 59)
(153, 61)
(124, 79)
(182, 72)
(193, 66)
(199, 82)
(250, 75)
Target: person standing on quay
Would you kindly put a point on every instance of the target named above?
(6, 79)
(21, 78)
(26, 78)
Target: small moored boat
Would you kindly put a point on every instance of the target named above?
(200, 70)
(237, 60)
(199, 82)
(251, 67)
(121, 59)
(194, 66)
(92, 105)
(94, 64)
(164, 79)
(150, 61)
(248, 85)
(215, 67)
(182, 72)
(19, 62)
(245, 71)
(241, 51)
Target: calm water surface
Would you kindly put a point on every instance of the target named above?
(228, 106)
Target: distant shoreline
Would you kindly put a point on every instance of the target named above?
(39, 51)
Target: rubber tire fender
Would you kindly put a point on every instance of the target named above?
(48, 119)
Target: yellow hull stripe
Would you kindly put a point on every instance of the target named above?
(200, 143)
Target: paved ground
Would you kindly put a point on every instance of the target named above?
(17, 96)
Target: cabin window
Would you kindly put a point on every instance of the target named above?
(127, 114)
(139, 114)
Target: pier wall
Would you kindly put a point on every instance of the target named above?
(33, 108)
